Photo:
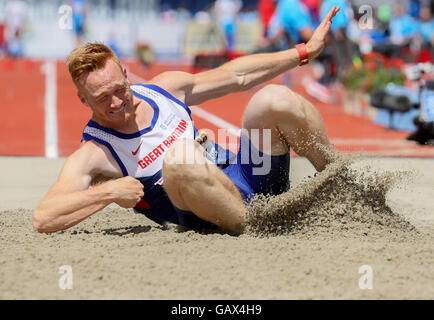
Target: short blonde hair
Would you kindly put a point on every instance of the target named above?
(88, 58)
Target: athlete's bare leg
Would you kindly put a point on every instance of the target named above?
(194, 183)
(199, 186)
(294, 122)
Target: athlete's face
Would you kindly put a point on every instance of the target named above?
(107, 92)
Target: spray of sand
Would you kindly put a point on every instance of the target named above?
(340, 200)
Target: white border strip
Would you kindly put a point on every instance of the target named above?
(50, 70)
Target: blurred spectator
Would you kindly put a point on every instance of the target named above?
(268, 42)
(226, 12)
(314, 9)
(290, 24)
(113, 44)
(266, 9)
(166, 5)
(361, 40)
(340, 21)
(79, 13)
(295, 21)
(414, 8)
(426, 33)
(296, 26)
(2, 41)
(112, 4)
(426, 26)
(193, 6)
(202, 17)
(145, 55)
(16, 15)
(402, 26)
(340, 51)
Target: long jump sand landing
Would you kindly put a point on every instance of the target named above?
(360, 229)
(365, 230)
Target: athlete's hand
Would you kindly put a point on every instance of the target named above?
(317, 42)
(127, 191)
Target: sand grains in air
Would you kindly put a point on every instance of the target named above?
(341, 200)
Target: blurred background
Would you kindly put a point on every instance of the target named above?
(373, 83)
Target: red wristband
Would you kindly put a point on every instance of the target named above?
(302, 51)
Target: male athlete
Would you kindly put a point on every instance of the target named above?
(135, 148)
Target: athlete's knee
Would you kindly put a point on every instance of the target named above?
(283, 103)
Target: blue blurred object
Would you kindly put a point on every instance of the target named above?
(404, 120)
(15, 47)
(426, 29)
(229, 30)
(112, 43)
(401, 120)
(378, 36)
(411, 94)
(414, 8)
(404, 26)
(427, 105)
(341, 19)
(78, 16)
(294, 16)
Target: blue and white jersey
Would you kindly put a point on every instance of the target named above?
(141, 154)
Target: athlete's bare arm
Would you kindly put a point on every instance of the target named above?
(70, 200)
(242, 73)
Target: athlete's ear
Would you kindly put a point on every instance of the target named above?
(126, 75)
(82, 99)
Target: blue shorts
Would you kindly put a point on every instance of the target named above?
(241, 172)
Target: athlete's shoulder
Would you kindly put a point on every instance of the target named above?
(95, 159)
(89, 152)
(174, 82)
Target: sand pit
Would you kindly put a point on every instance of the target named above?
(374, 212)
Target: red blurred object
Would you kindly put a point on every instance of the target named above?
(313, 6)
(425, 55)
(396, 63)
(2, 36)
(266, 10)
(333, 69)
(233, 55)
(375, 59)
(371, 65)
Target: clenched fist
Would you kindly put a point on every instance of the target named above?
(127, 191)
